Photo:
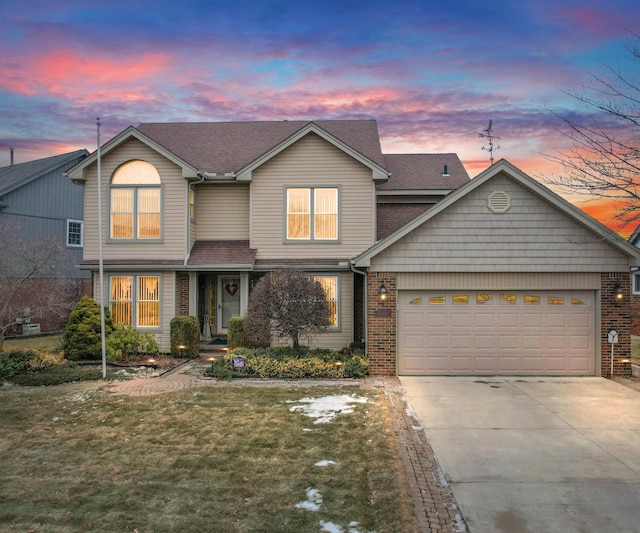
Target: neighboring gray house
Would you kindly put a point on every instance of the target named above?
(40, 208)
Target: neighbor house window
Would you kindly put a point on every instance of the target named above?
(330, 286)
(74, 233)
(135, 300)
(636, 284)
(312, 213)
(135, 202)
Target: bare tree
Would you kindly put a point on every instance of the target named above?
(604, 159)
(286, 303)
(22, 261)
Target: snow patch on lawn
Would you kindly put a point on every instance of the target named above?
(325, 409)
(324, 462)
(313, 501)
(330, 527)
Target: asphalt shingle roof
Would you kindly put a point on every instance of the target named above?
(230, 146)
(12, 177)
(423, 171)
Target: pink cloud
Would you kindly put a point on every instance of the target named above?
(74, 75)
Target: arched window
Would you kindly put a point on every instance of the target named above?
(135, 201)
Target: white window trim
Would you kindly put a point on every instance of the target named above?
(73, 245)
(312, 238)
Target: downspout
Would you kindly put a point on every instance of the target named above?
(366, 304)
(188, 219)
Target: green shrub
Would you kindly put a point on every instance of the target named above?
(56, 375)
(127, 343)
(221, 369)
(356, 367)
(236, 337)
(82, 338)
(185, 336)
(14, 362)
(267, 367)
(287, 363)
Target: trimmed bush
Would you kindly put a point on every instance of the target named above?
(17, 363)
(82, 339)
(57, 375)
(236, 337)
(287, 363)
(185, 336)
(127, 343)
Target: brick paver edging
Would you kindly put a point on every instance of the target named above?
(436, 508)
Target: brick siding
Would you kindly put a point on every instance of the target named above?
(50, 300)
(182, 293)
(381, 324)
(615, 314)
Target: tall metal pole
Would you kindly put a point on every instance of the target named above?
(101, 263)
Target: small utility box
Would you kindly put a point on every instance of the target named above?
(30, 329)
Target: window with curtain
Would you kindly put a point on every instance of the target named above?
(135, 300)
(135, 202)
(330, 286)
(312, 213)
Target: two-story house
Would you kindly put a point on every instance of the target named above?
(42, 213)
(436, 273)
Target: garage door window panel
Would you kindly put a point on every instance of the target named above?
(508, 298)
(484, 298)
(531, 299)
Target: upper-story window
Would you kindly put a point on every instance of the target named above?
(135, 202)
(312, 213)
(192, 203)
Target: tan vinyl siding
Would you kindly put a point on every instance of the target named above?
(342, 338)
(496, 281)
(312, 162)
(174, 206)
(532, 236)
(222, 212)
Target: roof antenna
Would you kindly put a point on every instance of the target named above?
(11, 150)
(488, 133)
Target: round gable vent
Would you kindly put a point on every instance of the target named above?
(499, 202)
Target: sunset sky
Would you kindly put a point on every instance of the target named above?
(431, 73)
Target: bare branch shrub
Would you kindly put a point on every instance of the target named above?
(286, 303)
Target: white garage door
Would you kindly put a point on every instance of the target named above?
(496, 332)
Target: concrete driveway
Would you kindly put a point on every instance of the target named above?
(535, 455)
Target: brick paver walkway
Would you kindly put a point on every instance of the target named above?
(436, 509)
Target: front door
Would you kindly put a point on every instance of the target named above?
(228, 301)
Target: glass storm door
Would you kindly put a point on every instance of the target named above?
(228, 300)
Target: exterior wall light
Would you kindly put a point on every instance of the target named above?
(383, 292)
(617, 291)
